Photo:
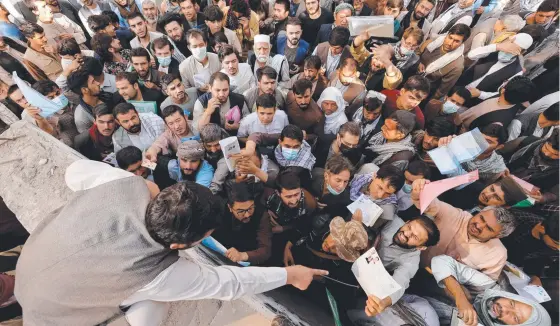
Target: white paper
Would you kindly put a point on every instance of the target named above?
(111, 159)
(537, 292)
(372, 276)
(520, 282)
(380, 26)
(461, 149)
(443, 160)
(370, 210)
(201, 79)
(36, 99)
(229, 147)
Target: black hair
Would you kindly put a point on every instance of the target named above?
(266, 71)
(339, 36)
(292, 132)
(242, 7)
(553, 140)
(294, 21)
(497, 131)
(286, 4)
(92, 65)
(168, 19)
(227, 50)
(168, 79)
(351, 127)
(213, 13)
(431, 228)
(287, 180)
(239, 192)
(301, 85)
(440, 127)
(45, 87)
(135, 14)
(29, 30)
(463, 93)
(266, 101)
(548, 6)
(113, 17)
(68, 46)
(461, 30)
(419, 167)
(552, 113)
(140, 52)
(101, 109)
(393, 174)
(195, 32)
(218, 75)
(132, 77)
(338, 163)
(312, 61)
(193, 2)
(123, 108)
(161, 42)
(519, 89)
(128, 156)
(170, 110)
(551, 227)
(100, 44)
(349, 61)
(372, 104)
(98, 22)
(537, 32)
(417, 83)
(77, 80)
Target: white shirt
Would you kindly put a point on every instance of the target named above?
(251, 124)
(514, 130)
(483, 52)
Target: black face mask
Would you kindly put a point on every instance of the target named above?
(352, 154)
(214, 156)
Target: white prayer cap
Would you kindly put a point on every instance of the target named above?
(523, 40)
(261, 38)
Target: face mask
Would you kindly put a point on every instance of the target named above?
(345, 150)
(262, 58)
(199, 53)
(164, 61)
(404, 51)
(61, 101)
(214, 156)
(450, 107)
(332, 190)
(289, 153)
(407, 189)
(65, 63)
(505, 57)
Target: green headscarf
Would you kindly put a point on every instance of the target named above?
(539, 316)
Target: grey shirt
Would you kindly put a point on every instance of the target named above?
(187, 106)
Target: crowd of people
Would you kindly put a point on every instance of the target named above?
(322, 117)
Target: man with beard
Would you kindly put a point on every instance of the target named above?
(84, 83)
(473, 240)
(312, 72)
(139, 130)
(312, 18)
(172, 24)
(262, 56)
(346, 79)
(200, 64)
(177, 95)
(130, 90)
(334, 50)
(190, 164)
(417, 17)
(210, 135)
(370, 119)
(266, 84)
(429, 138)
(139, 25)
(544, 16)
(246, 231)
(151, 13)
(214, 23)
(190, 14)
(147, 76)
(97, 142)
(291, 46)
(304, 112)
(240, 75)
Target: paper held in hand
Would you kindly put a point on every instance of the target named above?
(520, 282)
(377, 26)
(230, 146)
(463, 148)
(370, 210)
(436, 188)
(213, 244)
(372, 276)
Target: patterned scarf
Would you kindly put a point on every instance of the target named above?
(487, 167)
(284, 214)
(304, 158)
(402, 59)
(360, 185)
(384, 150)
(541, 163)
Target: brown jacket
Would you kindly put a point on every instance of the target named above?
(47, 62)
(442, 80)
(356, 90)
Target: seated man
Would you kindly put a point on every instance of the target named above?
(239, 73)
(246, 231)
(311, 71)
(428, 139)
(139, 130)
(262, 56)
(330, 186)
(130, 90)
(213, 106)
(303, 112)
(414, 91)
(167, 58)
(97, 142)
(381, 187)
(190, 164)
(178, 129)
(333, 52)
(346, 80)
(148, 76)
(292, 46)
(177, 95)
(201, 63)
(405, 207)
(266, 84)
(474, 240)
(370, 119)
(492, 305)
(536, 124)
(210, 135)
(267, 118)
(449, 107)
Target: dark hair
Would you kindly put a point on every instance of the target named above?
(92, 65)
(286, 4)
(266, 71)
(519, 89)
(292, 132)
(339, 36)
(463, 93)
(287, 180)
(419, 168)
(461, 30)
(170, 110)
(101, 109)
(551, 227)
(227, 50)
(123, 108)
(98, 22)
(128, 156)
(132, 77)
(301, 85)
(239, 192)
(338, 163)
(294, 21)
(183, 213)
(195, 32)
(113, 17)
(351, 127)
(161, 42)
(77, 80)
(537, 32)
(349, 61)
(168, 19)
(440, 127)
(29, 30)
(12, 89)
(242, 7)
(140, 52)
(393, 174)
(135, 14)
(431, 228)
(100, 43)
(266, 101)
(552, 113)
(213, 13)
(553, 139)
(219, 37)
(45, 87)
(497, 131)
(218, 75)
(193, 2)
(372, 104)
(168, 79)
(68, 46)
(312, 61)
(417, 83)
(548, 6)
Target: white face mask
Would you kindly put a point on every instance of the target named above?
(199, 53)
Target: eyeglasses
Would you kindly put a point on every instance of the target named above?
(245, 211)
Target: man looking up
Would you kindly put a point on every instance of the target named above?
(240, 75)
(369, 118)
(266, 84)
(293, 152)
(291, 46)
(139, 130)
(312, 18)
(449, 106)
(201, 63)
(544, 16)
(414, 91)
(177, 95)
(266, 119)
(139, 26)
(210, 135)
(147, 76)
(167, 57)
(130, 90)
(172, 24)
(417, 17)
(39, 52)
(263, 56)
(192, 17)
(97, 142)
(280, 14)
(346, 144)
(102, 24)
(346, 80)
(151, 13)
(214, 24)
(304, 112)
(334, 50)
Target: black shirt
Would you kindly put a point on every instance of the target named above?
(311, 26)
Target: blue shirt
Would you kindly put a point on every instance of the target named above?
(10, 30)
(203, 176)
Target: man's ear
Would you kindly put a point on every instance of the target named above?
(177, 246)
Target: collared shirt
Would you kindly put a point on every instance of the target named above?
(152, 127)
(251, 124)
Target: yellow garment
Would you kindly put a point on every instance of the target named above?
(502, 37)
(361, 55)
(253, 26)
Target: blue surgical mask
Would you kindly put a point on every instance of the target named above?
(505, 57)
(332, 190)
(61, 100)
(449, 107)
(289, 153)
(407, 189)
(164, 61)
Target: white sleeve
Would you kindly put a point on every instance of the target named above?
(243, 128)
(197, 113)
(482, 52)
(486, 95)
(514, 129)
(444, 266)
(87, 174)
(188, 280)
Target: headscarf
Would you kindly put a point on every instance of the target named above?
(128, 9)
(350, 238)
(539, 316)
(338, 118)
(232, 22)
